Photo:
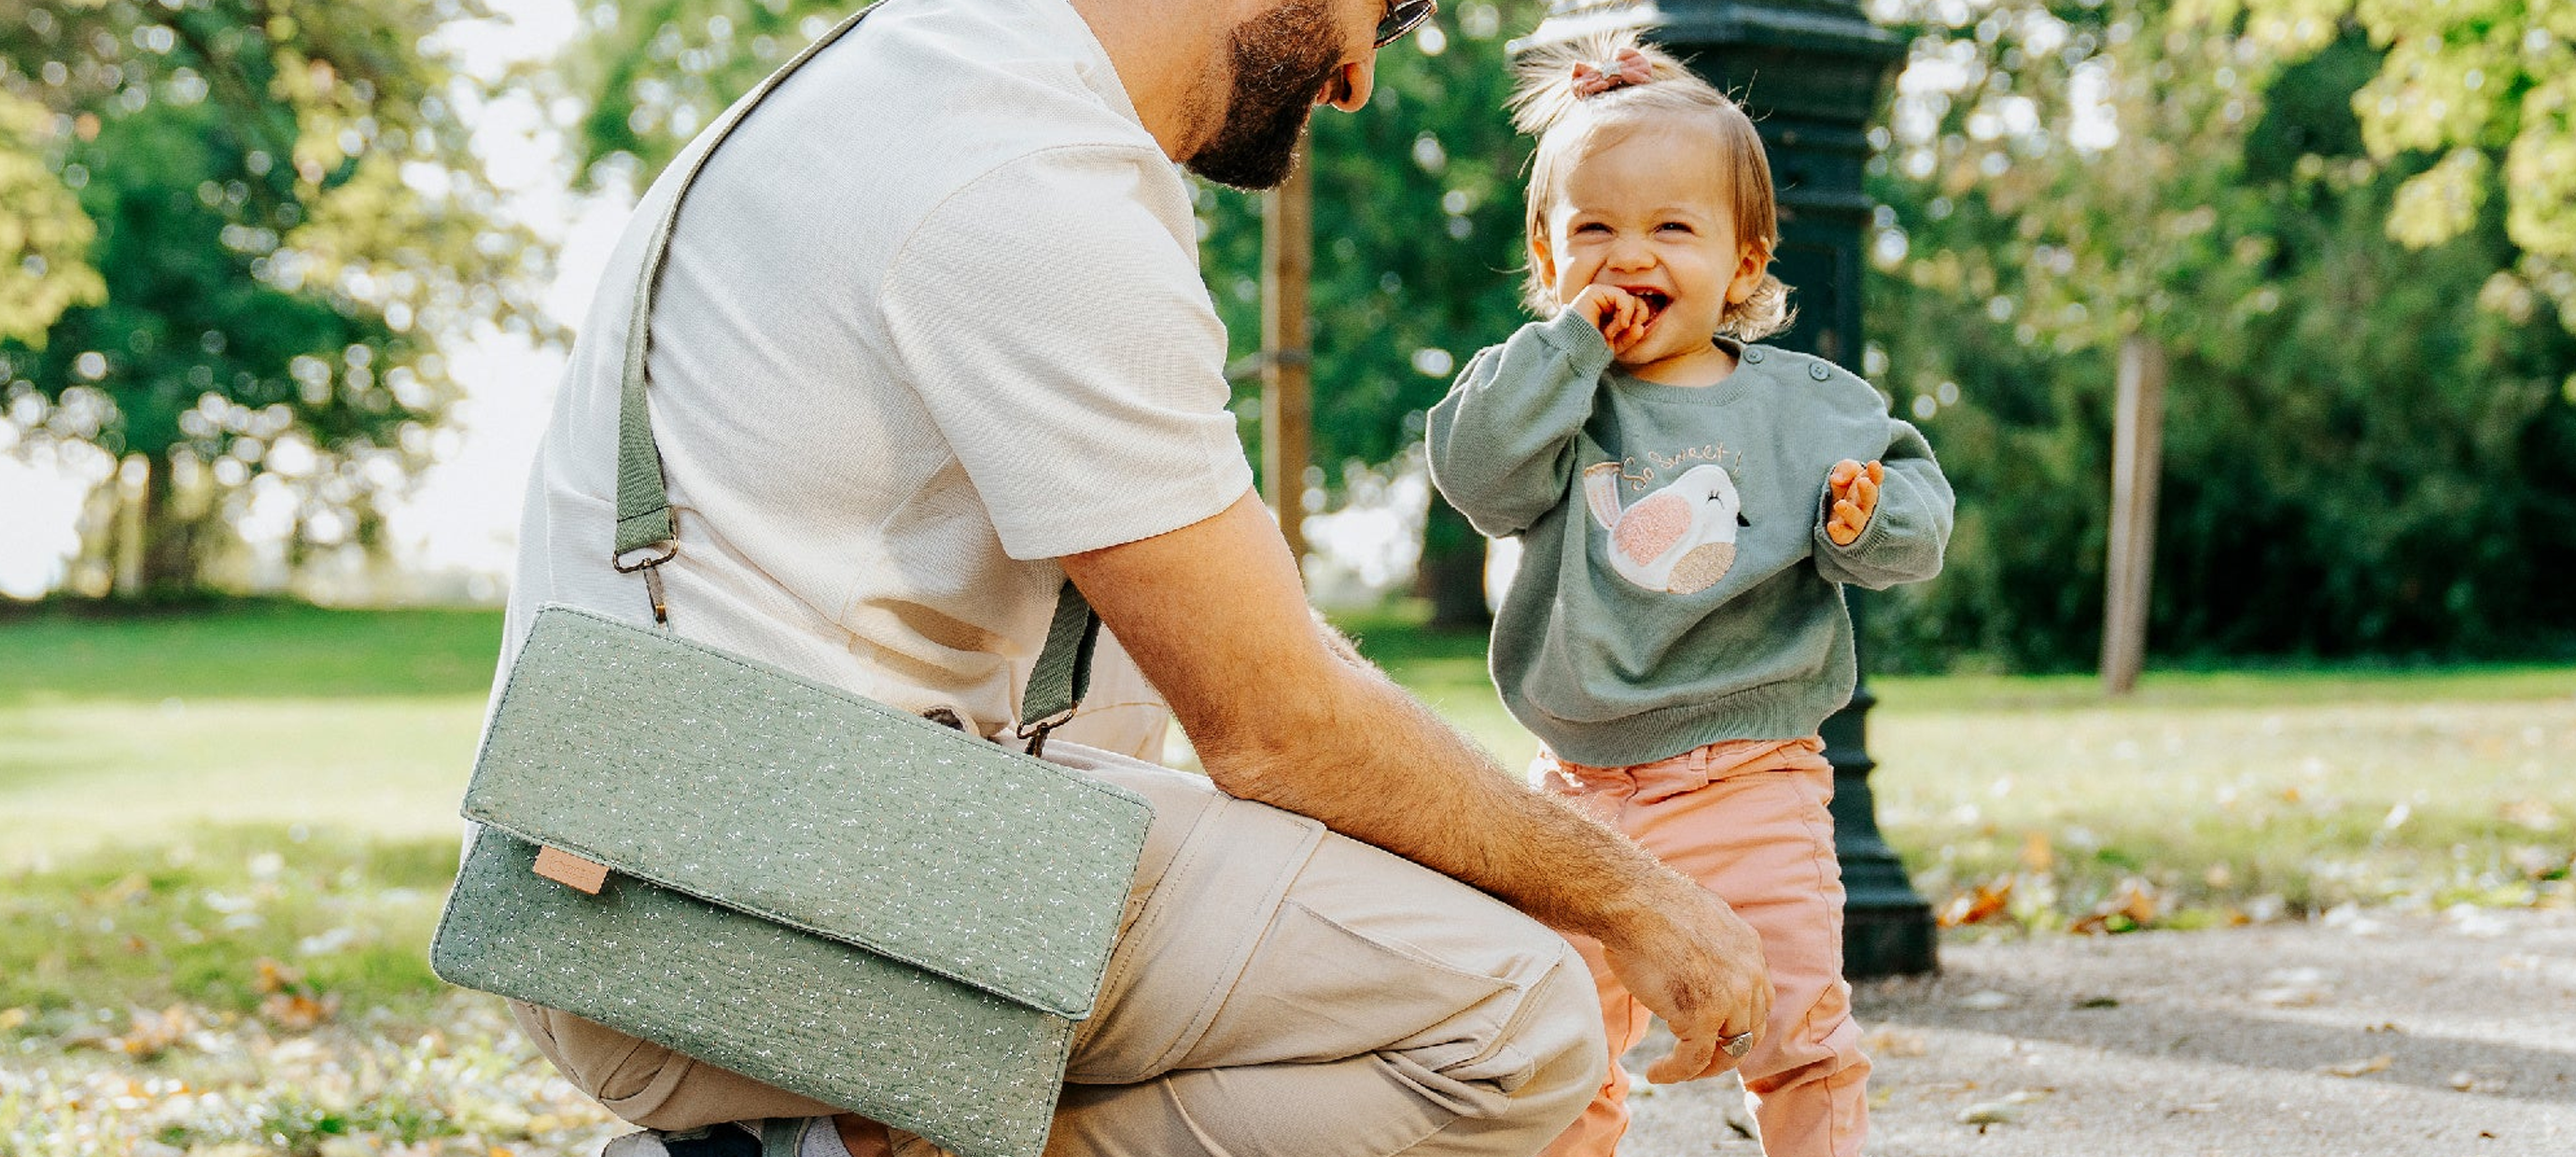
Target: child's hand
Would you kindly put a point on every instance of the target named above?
(1617, 313)
(1854, 487)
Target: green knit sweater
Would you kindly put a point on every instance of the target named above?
(1676, 587)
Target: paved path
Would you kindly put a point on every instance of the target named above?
(2423, 1035)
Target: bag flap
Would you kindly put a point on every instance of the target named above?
(752, 788)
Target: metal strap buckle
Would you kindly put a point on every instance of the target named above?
(1036, 732)
(668, 549)
(651, 565)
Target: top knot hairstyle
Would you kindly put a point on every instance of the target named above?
(1579, 95)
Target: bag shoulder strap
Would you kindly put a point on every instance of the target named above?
(645, 528)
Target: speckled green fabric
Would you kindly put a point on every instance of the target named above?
(807, 887)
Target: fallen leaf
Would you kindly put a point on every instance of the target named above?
(2133, 906)
(148, 1034)
(277, 977)
(2098, 1002)
(1985, 1113)
(298, 1012)
(1986, 903)
(2360, 1068)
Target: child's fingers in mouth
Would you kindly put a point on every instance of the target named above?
(1655, 300)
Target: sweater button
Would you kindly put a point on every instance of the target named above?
(1753, 353)
(1816, 370)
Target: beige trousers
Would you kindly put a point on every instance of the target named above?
(1275, 990)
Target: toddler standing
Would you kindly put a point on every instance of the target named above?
(1689, 507)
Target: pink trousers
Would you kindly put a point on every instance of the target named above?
(1747, 820)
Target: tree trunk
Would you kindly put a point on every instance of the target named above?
(1452, 574)
(2136, 458)
(1287, 411)
(172, 537)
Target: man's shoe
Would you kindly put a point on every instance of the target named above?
(731, 1139)
(815, 1137)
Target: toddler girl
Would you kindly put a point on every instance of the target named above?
(1689, 506)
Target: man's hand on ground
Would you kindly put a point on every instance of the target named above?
(1699, 966)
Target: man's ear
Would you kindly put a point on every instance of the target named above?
(1756, 260)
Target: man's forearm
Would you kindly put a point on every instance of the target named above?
(1216, 618)
(1381, 768)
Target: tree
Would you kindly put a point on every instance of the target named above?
(247, 222)
(2485, 87)
(42, 227)
(2356, 429)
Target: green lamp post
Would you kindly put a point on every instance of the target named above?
(1809, 71)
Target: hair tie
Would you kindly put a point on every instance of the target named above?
(1628, 67)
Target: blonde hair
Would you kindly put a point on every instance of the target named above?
(1546, 104)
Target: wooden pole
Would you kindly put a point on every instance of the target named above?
(1287, 264)
(2137, 452)
(133, 490)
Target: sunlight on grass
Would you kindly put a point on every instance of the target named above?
(193, 919)
(78, 774)
(2282, 805)
(231, 833)
(258, 990)
(128, 731)
(247, 650)
(2216, 795)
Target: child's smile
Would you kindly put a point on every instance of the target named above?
(1647, 211)
(1654, 299)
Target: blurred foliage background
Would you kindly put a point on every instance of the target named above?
(236, 233)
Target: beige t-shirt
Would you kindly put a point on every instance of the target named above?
(931, 319)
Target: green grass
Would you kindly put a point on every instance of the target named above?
(191, 922)
(192, 794)
(2219, 793)
(138, 730)
(248, 650)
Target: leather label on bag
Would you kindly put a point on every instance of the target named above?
(571, 871)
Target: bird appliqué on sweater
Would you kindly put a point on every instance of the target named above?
(1678, 539)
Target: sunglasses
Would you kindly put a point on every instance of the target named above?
(1403, 16)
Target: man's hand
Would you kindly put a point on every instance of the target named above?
(1854, 486)
(1699, 967)
(1617, 313)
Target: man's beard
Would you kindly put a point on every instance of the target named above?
(1281, 61)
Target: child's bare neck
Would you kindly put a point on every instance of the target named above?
(1695, 370)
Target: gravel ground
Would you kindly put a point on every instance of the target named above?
(2356, 1035)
